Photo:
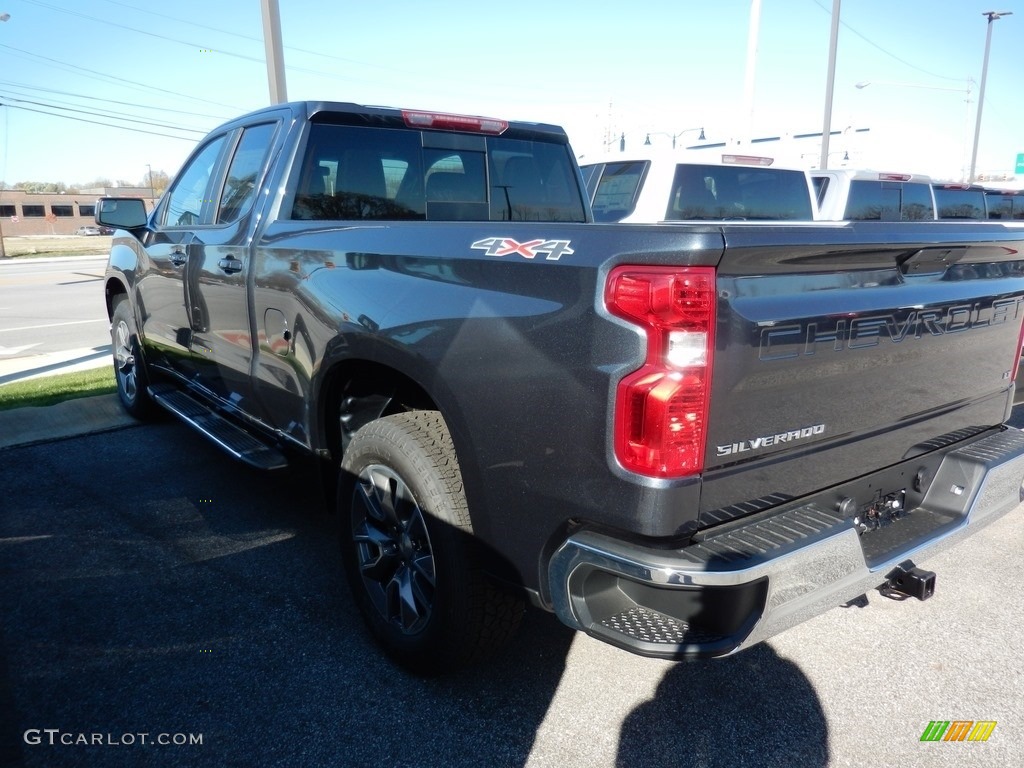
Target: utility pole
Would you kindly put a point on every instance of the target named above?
(992, 16)
(3, 253)
(826, 131)
(275, 51)
(748, 82)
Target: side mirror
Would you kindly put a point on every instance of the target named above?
(121, 212)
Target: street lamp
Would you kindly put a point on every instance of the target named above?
(992, 16)
(647, 141)
(3, 253)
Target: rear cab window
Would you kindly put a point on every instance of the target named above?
(960, 201)
(393, 173)
(1005, 205)
(739, 193)
(870, 200)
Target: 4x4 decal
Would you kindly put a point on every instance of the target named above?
(504, 246)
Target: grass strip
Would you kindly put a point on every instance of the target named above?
(48, 390)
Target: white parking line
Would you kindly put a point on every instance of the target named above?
(53, 325)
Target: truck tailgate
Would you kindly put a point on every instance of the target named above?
(864, 354)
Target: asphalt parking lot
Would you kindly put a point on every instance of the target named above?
(156, 590)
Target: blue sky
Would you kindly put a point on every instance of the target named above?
(600, 69)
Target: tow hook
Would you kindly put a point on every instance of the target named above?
(907, 580)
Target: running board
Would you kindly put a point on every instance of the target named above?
(228, 436)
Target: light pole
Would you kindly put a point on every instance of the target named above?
(992, 16)
(967, 117)
(152, 196)
(274, 50)
(830, 85)
(753, 31)
(3, 253)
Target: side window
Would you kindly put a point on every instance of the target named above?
(591, 174)
(360, 173)
(820, 187)
(191, 191)
(240, 187)
(616, 193)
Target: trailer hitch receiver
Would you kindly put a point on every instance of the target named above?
(907, 580)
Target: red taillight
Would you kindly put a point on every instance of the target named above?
(894, 177)
(444, 121)
(661, 410)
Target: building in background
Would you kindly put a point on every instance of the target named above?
(55, 213)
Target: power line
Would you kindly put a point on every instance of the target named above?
(27, 87)
(188, 44)
(95, 122)
(114, 116)
(137, 30)
(131, 83)
(259, 40)
(883, 50)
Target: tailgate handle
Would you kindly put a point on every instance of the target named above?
(929, 261)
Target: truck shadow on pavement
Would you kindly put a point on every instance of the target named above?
(153, 586)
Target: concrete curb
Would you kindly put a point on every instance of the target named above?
(72, 418)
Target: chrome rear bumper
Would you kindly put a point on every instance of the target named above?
(745, 584)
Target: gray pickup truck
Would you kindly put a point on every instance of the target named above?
(680, 438)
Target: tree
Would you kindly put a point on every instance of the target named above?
(160, 182)
(51, 187)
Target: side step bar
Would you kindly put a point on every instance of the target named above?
(228, 436)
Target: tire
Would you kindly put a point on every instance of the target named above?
(129, 367)
(407, 543)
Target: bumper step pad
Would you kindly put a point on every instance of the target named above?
(650, 626)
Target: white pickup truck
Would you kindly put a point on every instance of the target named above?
(696, 186)
(847, 194)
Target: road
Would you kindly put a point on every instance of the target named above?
(52, 308)
(153, 586)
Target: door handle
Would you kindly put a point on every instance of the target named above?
(178, 258)
(230, 266)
